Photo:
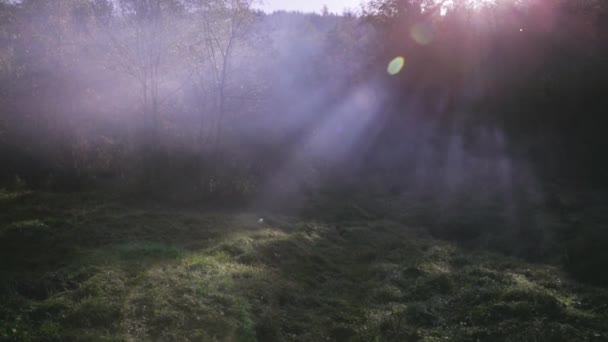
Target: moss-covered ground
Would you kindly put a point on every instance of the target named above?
(91, 268)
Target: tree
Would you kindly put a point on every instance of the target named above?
(143, 35)
(7, 61)
(325, 11)
(220, 24)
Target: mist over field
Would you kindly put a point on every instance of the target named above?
(205, 170)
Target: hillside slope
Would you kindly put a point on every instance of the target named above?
(87, 267)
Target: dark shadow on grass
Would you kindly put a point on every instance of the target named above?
(370, 280)
(339, 275)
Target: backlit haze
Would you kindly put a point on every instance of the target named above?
(334, 6)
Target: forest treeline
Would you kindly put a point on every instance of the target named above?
(215, 100)
(127, 89)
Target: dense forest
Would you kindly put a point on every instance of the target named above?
(202, 170)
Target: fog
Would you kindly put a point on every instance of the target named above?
(455, 104)
(212, 170)
(290, 100)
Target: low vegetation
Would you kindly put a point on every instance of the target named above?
(89, 267)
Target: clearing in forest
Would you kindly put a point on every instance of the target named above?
(84, 267)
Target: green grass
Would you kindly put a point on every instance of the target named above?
(89, 267)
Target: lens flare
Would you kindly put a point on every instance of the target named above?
(422, 33)
(396, 65)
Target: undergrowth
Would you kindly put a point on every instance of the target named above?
(88, 267)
